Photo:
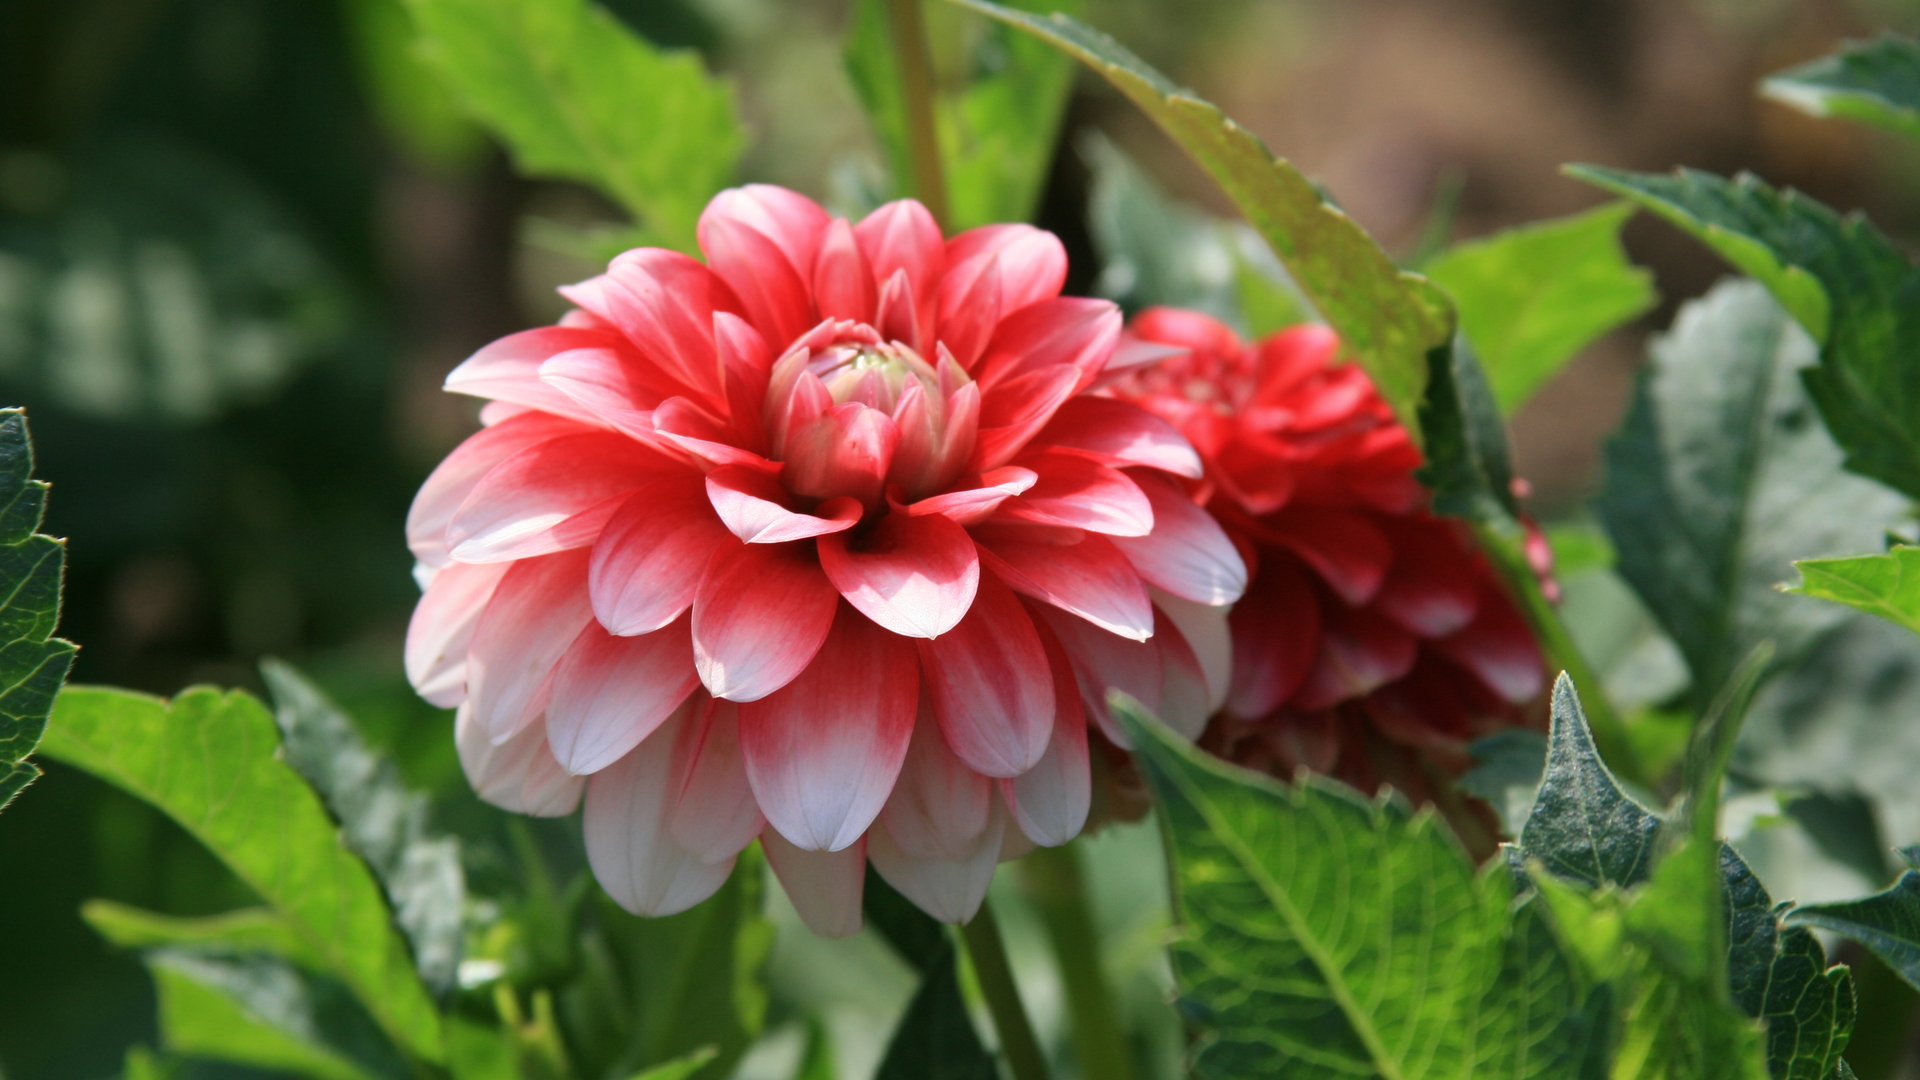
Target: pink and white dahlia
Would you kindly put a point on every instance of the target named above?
(823, 542)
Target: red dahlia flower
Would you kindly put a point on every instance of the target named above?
(812, 542)
(1366, 613)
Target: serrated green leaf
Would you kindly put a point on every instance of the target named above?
(33, 663)
(1876, 81)
(1885, 585)
(1850, 287)
(1387, 319)
(1719, 478)
(1888, 922)
(999, 97)
(1323, 934)
(1532, 297)
(576, 95)
(246, 930)
(260, 1011)
(1583, 826)
(209, 760)
(381, 820)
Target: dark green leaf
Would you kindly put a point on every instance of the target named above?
(33, 663)
(380, 818)
(1323, 934)
(1719, 478)
(1507, 770)
(575, 94)
(1840, 277)
(918, 937)
(1387, 319)
(1467, 469)
(997, 106)
(210, 761)
(936, 1039)
(1583, 827)
(1875, 81)
(1532, 297)
(1887, 922)
(1876, 584)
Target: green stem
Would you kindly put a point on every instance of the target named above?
(990, 967)
(1609, 731)
(1059, 893)
(916, 93)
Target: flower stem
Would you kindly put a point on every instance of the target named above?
(1057, 887)
(916, 94)
(989, 955)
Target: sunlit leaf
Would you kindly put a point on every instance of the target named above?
(1387, 319)
(1845, 282)
(33, 663)
(245, 931)
(1720, 477)
(210, 761)
(1876, 584)
(1532, 297)
(1876, 81)
(575, 94)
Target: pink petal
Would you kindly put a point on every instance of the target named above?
(791, 220)
(1027, 265)
(1349, 552)
(684, 424)
(822, 752)
(648, 561)
(628, 833)
(552, 496)
(519, 775)
(1119, 433)
(537, 610)
(611, 692)
(1360, 651)
(1498, 647)
(990, 686)
(1204, 627)
(950, 890)
(1012, 412)
(1070, 330)
(1050, 801)
(843, 283)
(968, 319)
(715, 815)
(608, 385)
(1073, 570)
(915, 576)
(939, 806)
(664, 302)
(509, 369)
(461, 471)
(1432, 589)
(843, 451)
(772, 288)
(826, 887)
(752, 505)
(973, 505)
(1081, 494)
(746, 360)
(902, 236)
(1276, 637)
(761, 614)
(1102, 661)
(441, 630)
(1187, 553)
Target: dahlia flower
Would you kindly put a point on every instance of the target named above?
(1366, 614)
(824, 542)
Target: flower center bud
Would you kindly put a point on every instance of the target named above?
(873, 375)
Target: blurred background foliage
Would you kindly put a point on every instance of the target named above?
(242, 241)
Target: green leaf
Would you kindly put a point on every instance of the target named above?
(936, 1039)
(33, 663)
(1387, 319)
(681, 1067)
(1323, 934)
(1719, 478)
(381, 820)
(1468, 468)
(1153, 249)
(1780, 974)
(999, 98)
(1852, 289)
(1876, 584)
(1876, 81)
(210, 761)
(246, 930)
(261, 1011)
(1583, 826)
(1887, 922)
(576, 95)
(410, 100)
(1532, 297)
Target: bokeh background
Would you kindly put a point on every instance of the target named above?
(242, 241)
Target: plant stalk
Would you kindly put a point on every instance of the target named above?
(909, 25)
(1057, 888)
(989, 956)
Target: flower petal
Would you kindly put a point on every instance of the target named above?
(509, 369)
(752, 505)
(1081, 494)
(1498, 647)
(1432, 588)
(1067, 330)
(902, 236)
(1187, 553)
(456, 477)
(1276, 637)
(537, 610)
(845, 450)
(715, 815)
(938, 806)
(519, 775)
(611, 692)
(441, 630)
(1012, 412)
(916, 576)
(990, 685)
(823, 751)
(1019, 264)
(552, 496)
(950, 890)
(826, 887)
(843, 283)
(612, 385)
(771, 287)
(648, 561)
(1050, 801)
(791, 220)
(664, 302)
(762, 612)
(1119, 433)
(1204, 627)
(627, 827)
(1101, 662)
(1360, 651)
(1073, 570)
(1349, 552)
(970, 506)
